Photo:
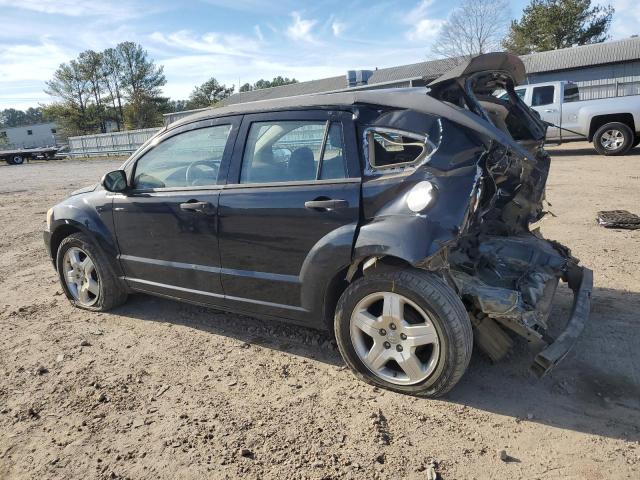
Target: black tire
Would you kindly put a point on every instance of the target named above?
(17, 160)
(627, 135)
(112, 291)
(445, 310)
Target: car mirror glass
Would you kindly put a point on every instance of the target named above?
(115, 181)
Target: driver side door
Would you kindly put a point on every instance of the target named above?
(166, 224)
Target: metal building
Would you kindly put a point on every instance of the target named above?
(29, 136)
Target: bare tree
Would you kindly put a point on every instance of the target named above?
(475, 27)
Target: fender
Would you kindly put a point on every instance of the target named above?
(92, 215)
(322, 264)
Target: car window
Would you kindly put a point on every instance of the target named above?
(542, 96)
(391, 148)
(571, 94)
(187, 159)
(521, 92)
(288, 150)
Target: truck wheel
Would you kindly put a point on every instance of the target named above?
(613, 138)
(405, 331)
(86, 276)
(16, 160)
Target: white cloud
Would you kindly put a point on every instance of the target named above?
(78, 8)
(424, 28)
(211, 42)
(337, 28)
(258, 32)
(300, 29)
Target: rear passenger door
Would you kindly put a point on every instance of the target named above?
(289, 211)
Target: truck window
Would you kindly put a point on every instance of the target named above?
(542, 96)
(571, 94)
(520, 92)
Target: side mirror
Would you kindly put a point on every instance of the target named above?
(115, 181)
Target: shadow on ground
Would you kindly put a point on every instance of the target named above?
(596, 389)
(556, 151)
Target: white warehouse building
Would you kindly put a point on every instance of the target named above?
(29, 136)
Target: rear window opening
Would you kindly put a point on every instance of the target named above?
(388, 148)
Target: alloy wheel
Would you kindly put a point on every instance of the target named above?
(612, 139)
(394, 338)
(81, 276)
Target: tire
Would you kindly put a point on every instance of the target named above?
(109, 292)
(17, 160)
(442, 363)
(613, 138)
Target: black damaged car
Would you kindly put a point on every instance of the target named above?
(403, 220)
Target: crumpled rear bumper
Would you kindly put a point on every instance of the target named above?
(581, 282)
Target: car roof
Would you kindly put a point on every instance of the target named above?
(412, 98)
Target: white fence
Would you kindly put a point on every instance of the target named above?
(116, 143)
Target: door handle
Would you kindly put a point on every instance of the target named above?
(200, 207)
(550, 110)
(326, 204)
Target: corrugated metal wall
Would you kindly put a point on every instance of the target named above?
(603, 81)
(116, 143)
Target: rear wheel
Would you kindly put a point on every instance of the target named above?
(86, 276)
(406, 331)
(17, 160)
(613, 138)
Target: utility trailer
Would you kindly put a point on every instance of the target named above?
(19, 155)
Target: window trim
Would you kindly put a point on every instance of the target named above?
(131, 164)
(328, 122)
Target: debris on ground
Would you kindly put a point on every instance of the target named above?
(618, 219)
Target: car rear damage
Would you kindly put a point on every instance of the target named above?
(488, 169)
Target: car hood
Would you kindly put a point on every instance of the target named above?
(82, 190)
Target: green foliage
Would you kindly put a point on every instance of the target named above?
(552, 24)
(208, 94)
(276, 82)
(121, 85)
(10, 117)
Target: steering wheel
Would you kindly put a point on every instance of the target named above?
(196, 171)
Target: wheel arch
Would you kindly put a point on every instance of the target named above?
(343, 278)
(598, 121)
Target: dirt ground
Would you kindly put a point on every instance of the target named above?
(160, 389)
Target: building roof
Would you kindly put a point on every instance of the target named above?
(563, 59)
(584, 56)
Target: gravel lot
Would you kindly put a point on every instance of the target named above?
(160, 389)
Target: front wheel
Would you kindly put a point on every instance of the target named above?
(405, 331)
(17, 160)
(86, 277)
(613, 138)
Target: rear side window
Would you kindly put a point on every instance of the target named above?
(289, 150)
(542, 96)
(392, 148)
(187, 159)
(571, 94)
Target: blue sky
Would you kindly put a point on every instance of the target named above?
(235, 41)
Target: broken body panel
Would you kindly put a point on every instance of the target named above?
(489, 181)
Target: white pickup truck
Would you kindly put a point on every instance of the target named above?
(612, 124)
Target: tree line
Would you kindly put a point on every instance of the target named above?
(11, 117)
